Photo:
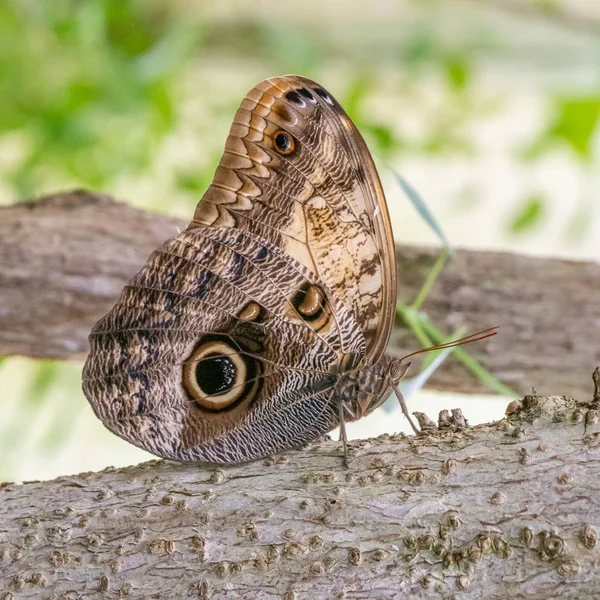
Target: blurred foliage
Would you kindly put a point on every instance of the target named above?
(90, 90)
(89, 86)
(40, 415)
(528, 214)
(573, 124)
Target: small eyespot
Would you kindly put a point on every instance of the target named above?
(306, 93)
(311, 301)
(321, 92)
(252, 312)
(284, 142)
(311, 304)
(294, 96)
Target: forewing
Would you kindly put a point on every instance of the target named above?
(319, 199)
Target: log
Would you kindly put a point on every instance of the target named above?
(504, 510)
(65, 258)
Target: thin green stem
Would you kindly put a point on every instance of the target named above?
(430, 280)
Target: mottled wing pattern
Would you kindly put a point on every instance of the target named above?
(232, 341)
(210, 298)
(297, 172)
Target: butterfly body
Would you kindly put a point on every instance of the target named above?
(246, 333)
(364, 389)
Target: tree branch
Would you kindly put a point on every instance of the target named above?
(509, 509)
(65, 258)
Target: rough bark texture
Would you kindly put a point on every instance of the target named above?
(65, 258)
(506, 510)
(547, 310)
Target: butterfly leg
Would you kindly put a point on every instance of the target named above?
(343, 436)
(404, 408)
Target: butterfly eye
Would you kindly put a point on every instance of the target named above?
(284, 142)
(215, 375)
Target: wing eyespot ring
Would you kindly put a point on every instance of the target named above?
(252, 312)
(311, 304)
(218, 377)
(283, 143)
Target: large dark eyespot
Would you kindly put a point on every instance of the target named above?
(284, 142)
(215, 374)
(218, 377)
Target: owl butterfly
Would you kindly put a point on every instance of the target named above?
(263, 325)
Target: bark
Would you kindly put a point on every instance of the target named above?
(63, 262)
(65, 258)
(505, 510)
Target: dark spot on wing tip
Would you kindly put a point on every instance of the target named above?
(306, 93)
(323, 94)
(294, 96)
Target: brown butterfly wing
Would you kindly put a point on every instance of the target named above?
(210, 303)
(320, 199)
(228, 345)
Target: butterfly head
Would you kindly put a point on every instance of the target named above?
(397, 369)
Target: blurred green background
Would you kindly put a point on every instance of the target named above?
(489, 108)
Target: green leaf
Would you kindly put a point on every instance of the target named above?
(432, 276)
(576, 122)
(42, 381)
(354, 98)
(573, 124)
(458, 72)
(423, 210)
(383, 137)
(529, 213)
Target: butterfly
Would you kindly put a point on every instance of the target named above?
(263, 324)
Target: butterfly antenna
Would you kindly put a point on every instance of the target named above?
(474, 337)
(398, 368)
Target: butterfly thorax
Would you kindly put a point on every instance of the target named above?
(364, 389)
